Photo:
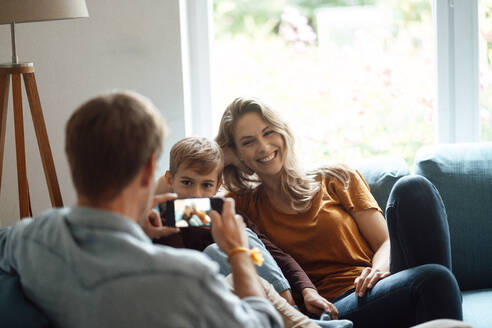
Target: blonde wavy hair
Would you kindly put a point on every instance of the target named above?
(300, 187)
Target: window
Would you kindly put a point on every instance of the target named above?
(485, 59)
(353, 78)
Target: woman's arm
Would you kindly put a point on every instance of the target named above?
(373, 228)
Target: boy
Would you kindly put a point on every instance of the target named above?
(195, 170)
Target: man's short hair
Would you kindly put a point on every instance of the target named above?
(198, 153)
(108, 139)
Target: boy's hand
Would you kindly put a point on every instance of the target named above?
(230, 158)
(151, 224)
(316, 304)
(228, 229)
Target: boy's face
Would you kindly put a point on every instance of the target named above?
(187, 183)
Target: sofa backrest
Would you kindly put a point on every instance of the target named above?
(381, 173)
(463, 175)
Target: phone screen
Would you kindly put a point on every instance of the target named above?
(189, 212)
(192, 212)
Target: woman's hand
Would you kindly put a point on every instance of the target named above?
(151, 224)
(367, 279)
(231, 158)
(316, 304)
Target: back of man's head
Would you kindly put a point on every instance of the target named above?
(108, 140)
(199, 153)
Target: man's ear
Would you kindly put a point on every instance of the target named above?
(148, 170)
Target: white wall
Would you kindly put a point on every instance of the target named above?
(125, 44)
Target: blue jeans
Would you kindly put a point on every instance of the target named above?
(421, 286)
(269, 271)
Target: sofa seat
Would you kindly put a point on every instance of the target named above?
(476, 303)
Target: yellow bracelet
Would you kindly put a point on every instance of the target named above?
(254, 253)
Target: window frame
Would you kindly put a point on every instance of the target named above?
(456, 57)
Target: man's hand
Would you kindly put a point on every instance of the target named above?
(316, 304)
(367, 279)
(228, 229)
(151, 224)
(229, 232)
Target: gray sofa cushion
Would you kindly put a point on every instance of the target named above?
(15, 309)
(381, 173)
(476, 306)
(463, 175)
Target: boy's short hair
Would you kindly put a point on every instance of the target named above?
(108, 139)
(198, 153)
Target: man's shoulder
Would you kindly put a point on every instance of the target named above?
(182, 261)
(47, 221)
(96, 254)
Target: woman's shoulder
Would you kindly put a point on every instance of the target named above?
(245, 198)
(341, 178)
(337, 172)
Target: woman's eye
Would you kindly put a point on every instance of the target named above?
(246, 143)
(268, 133)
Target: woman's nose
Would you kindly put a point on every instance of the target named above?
(263, 145)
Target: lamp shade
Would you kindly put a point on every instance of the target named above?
(22, 11)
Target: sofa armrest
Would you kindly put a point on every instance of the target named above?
(463, 175)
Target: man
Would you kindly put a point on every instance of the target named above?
(91, 265)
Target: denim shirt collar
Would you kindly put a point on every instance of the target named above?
(91, 217)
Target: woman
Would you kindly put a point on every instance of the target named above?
(332, 226)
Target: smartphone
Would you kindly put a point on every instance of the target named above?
(189, 212)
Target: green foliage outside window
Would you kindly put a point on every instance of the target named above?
(485, 39)
(372, 96)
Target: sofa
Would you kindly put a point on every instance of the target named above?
(463, 175)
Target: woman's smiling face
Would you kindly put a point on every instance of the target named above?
(259, 146)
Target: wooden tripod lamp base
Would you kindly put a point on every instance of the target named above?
(26, 70)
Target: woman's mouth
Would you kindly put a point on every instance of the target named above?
(268, 158)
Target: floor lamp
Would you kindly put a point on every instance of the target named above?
(23, 11)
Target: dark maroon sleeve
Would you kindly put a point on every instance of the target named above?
(197, 238)
(292, 271)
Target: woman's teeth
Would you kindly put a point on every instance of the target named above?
(269, 158)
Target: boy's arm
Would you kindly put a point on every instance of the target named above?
(292, 271)
(305, 293)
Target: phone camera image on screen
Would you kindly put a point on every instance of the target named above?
(189, 212)
(192, 212)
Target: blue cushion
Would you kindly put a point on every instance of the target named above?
(476, 308)
(15, 309)
(463, 175)
(381, 173)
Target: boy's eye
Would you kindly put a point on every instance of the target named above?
(186, 182)
(208, 185)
